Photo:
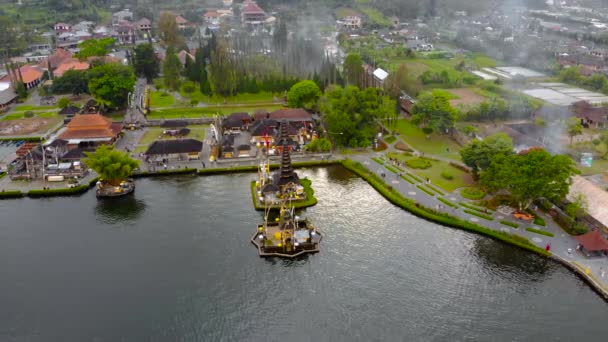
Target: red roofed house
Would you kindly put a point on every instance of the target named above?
(143, 24)
(30, 75)
(72, 64)
(291, 114)
(182, 56)
(91, 130)
(593, 243)
(59, 56)
(251, 13)
(181, 22)
(212, 17)
(591, 115)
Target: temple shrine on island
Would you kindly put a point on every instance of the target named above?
(271, 189)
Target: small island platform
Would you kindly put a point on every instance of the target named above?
(308, 200)
(275, 243)
(111, 191)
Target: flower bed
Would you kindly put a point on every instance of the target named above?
(472, 193)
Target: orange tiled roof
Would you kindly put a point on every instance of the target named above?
(85, 126)
(72, 64)
(58, 57)
(30, 73)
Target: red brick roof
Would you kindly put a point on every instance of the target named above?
(250, 7)
(30, 73)
(593, 241)
(72, 64)
(294, 114)
(59, 56)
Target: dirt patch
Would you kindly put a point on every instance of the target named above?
(467, 97)
(27, 126)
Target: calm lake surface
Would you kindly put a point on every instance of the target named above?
(174, 263)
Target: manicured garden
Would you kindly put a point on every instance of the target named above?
(161, 99)
(436, 144)
(472, 193)
(156, 133)
(198, 112)
(244, 98)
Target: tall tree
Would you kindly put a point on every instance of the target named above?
(303, 94)
(222, 70)
(168, 30)
(146, 62)
(94, 48)
(73, 81)
(111, 165)
(111, 83)
(171, 70)
(478, 155)
(574, 127)
(353, 69)
(192, 70)
(434, 110)
(529, 175)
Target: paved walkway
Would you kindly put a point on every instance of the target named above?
(562, 244)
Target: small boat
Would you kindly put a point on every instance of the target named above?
(105, 190)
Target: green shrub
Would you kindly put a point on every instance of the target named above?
(539, 221)
(416, 178)
(188, 87)
(28, 114)
(478, 214)
(390, 139)
(472, 193)
(58, 192)
(540, 232)
(391, 169)
(427, 130)
(419, 163)
(476, 208)
(378, 161)
(447, 175)
(434, 188)
(579, 228)
(510, 224)
(63, 102)
(407, 179)
(426, 190)
(194, 102)
(11, 194)
(446, 202)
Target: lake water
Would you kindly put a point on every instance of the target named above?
(174, 263)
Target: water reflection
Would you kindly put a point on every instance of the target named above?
(500, 257)
(119, 209)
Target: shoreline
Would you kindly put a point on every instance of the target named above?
(361, 171)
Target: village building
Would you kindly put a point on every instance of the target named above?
(174, 150)
(143, 24)
(352, 21)
(593, 244)
(62, 27)
(69, 110)
(380, 76)
(235, 123)
(590, 115)
(212, 17)
(30, 76)
(90, 130)
(7, 96)
(121, 16)
(252, 13)
(181, 22)
(73, 64)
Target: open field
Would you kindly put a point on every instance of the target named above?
(245, 98)
(156, 133)
(21, 115)
(436, 144)
(161, 99)
(197, 112)
(465, 97)
(27, 126)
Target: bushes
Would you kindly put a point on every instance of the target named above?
(472, 207)
(539, 221)
(28, 114)
(407, 179)
(429, 192)
(510, 224)
(446, 202)
(378, 161)
(472, 193)
(427, 130)
(419, 163)
(447, 175)
(416, 178)
(540, 232)
(63, 102)
(434, 188)
(59, 192)
(391, 169)
(188, 87)
(478, 214)
(11, 194)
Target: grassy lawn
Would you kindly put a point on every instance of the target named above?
(598, 166)
(460, 178)
(20, 115)
(25, 108)
(437, 145)
(156, 133)
(246, 98)
(197, 112)
(161, 99)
